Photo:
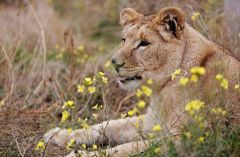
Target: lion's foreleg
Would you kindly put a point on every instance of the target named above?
(119, 131)
(122, 150)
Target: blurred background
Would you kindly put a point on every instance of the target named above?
(47, 47)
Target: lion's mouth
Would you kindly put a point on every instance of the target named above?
(125, 79)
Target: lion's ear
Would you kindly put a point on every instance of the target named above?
(128, 15)
(172, 19)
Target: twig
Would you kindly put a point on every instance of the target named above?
(22, 155)
(44, 49)
(56, 88)
(11, 69)
(44, 151)
(28, 146)
(122, 101)
(86, 105)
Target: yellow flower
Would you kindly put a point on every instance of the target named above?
(95, 116)
(151, 135)
(237, 86)
(91, 89)
(201, 139)
(149, 81)
(173, 76)
(198, 70)
(95, 147)
(137, 124)
(100, 48)
(219, 111)
(62, 50)
(207, 134)
(141, 104)
(80, 88)
(80, 48)
(187, 134)
(88, 81)
(198, 118)
(96, 107)
(69, 130)
(132, 112)
(157, 128)
(194, 106)
(105, 80)
(2, 102)
(40, 146)
(70, 144)
(80, 120)
(219, 77)
(123, 115)
(56, 46)
(176, 72)
(224, 83)
(157, 150)
(139, 93)
(59, 56)
(195, 16)
(107, 64)
(65, 116)
(147, 91)
(69, 104)
(194, 78)
(183, 81)
(84, 146)
(101, 74)
(84, 125)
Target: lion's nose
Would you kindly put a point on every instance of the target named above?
(117, 65)
(114, 61)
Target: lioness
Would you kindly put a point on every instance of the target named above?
(154, 47)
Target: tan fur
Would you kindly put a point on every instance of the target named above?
(169, 50)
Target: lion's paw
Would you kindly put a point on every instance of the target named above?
(81, 154)
(57, 136)
(72, 154)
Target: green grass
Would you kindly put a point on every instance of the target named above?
(222, 144)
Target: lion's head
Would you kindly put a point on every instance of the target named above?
(152, 46)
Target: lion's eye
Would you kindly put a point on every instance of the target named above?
(123, 39)
(143, 43)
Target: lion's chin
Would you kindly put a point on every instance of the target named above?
(129, 83)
